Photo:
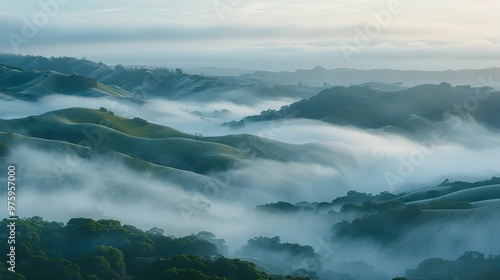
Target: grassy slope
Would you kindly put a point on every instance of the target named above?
(446, 188)
(136, 138)
(133, 127)
(35, 84)
(483, 194)
(408, 109)
(469, 195)
(188, 180)
(162, 83)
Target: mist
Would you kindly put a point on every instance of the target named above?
(346, 202)
(325, 161)
(103, 188)
(335, 158)
(187, 116)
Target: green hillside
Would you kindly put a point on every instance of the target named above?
(105, 249)
(143, 82)
(469, 195)
(187, 180)
(135, 127)
(159, 145)
(411, 110)
(31, 85)
(102, 130)
(454, 191)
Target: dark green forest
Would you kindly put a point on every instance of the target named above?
(471, 265)
(87, 249)
(106, 249)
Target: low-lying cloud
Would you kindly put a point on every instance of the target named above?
(323, 161)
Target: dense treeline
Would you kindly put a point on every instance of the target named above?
(385, 227)
(351, 201)
(368, 203)
(471, 265)
(138, 80)
(105, 249)
(85, 249)
(91, 250)
(287, 254)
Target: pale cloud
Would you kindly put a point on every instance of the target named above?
(260, 34)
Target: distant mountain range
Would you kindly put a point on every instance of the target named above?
(235, 85)
(407, 78)
(218, 71)
(21, 72)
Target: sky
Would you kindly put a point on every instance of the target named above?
(259, 34)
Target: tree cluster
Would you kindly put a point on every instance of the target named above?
(472, 265)
(85, 249)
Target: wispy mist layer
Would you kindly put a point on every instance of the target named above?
(323, 161)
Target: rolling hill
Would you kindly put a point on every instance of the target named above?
(412, 110)
(32, 85)
(407, 78)
(137, 137)
(57, 172)
(100, 129)
(150, 82)
(448, 192)
(160, 151)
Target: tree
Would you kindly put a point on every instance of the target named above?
(179, 72)
(40, 267)
(471, 256)
(112, 255)
(182, 274)
(91, 277)
(3, 148)
(140, 122)
(210, 237)
(9, 275)
(279, 207)
(225, 268)
(155, 231)
(96, 265)
(301, 272)
(85, 249)
(264, 243)
(493, 274)
(197, 136)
